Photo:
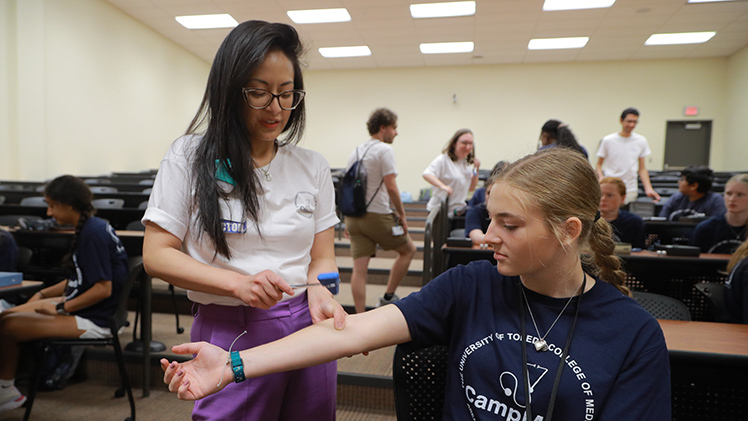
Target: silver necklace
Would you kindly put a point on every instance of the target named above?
(266, 173)
(541, 345)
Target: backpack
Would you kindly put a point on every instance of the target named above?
(351, 195)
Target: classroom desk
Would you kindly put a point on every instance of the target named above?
(24, 287)
(673, 276)
(119, 218)
(708, 365)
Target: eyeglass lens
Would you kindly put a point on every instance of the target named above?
(260, 98)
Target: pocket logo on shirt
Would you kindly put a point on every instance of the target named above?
(305, 203)
(234, 227)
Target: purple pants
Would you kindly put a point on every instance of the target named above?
(307, 394)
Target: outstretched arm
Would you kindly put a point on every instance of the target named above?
(313, 345)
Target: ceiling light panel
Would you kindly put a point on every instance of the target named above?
(557, 43)
(680, 38)
(207, 21)
(551, 5)
(447, 47)
(319, 15)
(353, 51)
(442, 10)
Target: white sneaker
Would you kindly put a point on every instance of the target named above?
(382, 301)
(11, 399)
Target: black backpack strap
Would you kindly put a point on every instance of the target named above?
(361, 161)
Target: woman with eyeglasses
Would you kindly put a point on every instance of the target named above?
(451, 172)
(239, 214)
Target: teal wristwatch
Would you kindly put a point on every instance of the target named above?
(237, 365)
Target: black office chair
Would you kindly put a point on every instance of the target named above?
(138, 226)
(108, 203)
(662, 306)
(35, 201)
(420, 378)
(715, 296)
(135, 225)
(643, 206)
(138, 309)
(103, 189)
(116, 322)
(725, 246)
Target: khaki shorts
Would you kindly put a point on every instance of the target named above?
(371, 229)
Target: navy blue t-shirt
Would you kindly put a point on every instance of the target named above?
(8, 252)
(99, 256)
(629, 228)
(476, 218)
(711, 204)
(479, 197)
(736, 294)
(715, 235)
(617, 367)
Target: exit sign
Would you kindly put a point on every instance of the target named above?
(690, 111)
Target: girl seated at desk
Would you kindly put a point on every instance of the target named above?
(78, 307)
(546, 332)
(724, 233)
(627, 227)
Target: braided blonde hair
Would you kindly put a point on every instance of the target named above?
(564, 185)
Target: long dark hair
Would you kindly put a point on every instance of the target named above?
(560, 134)
(72, 191)
(226, 139)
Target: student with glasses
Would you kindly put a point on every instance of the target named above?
(454, 172)
(239, 214)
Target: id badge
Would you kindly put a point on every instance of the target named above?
(234, 227)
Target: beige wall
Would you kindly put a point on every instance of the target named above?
(86, 89)
(736, 134)
(505, 106)
(89, 90)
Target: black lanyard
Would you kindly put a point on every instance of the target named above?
(526, 371)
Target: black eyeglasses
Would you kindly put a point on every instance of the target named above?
(260, 99)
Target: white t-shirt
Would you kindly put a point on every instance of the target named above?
(457, 175)
(298, 203)
(622, 155)
(379, 162)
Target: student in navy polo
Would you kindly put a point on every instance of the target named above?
(695, 195)
(79, 306)
(545, 309)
